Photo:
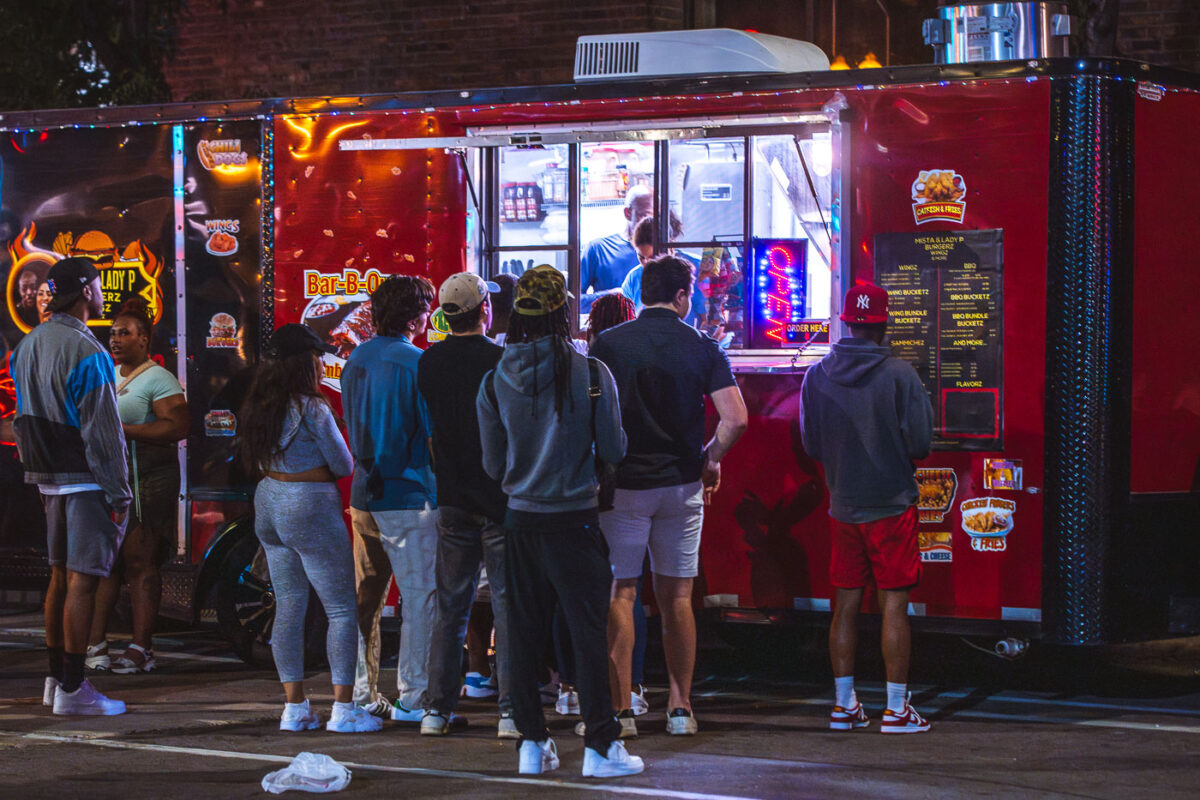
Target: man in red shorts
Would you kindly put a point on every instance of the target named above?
(866, 417)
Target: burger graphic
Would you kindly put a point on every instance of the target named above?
(222, 331)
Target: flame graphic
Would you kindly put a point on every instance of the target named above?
(135, 256)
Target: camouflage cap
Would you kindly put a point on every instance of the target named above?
(540, 291)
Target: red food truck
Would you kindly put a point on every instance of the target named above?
(1030, 220)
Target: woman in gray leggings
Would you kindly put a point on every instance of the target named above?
(290, 437)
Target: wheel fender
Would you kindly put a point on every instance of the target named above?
(233, 532)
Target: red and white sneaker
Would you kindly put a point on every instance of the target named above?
(847, 719)
(908, 722)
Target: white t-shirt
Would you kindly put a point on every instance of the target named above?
(135, 403)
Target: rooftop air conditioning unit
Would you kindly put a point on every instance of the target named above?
(716, 51)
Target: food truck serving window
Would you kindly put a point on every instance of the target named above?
(712, 197)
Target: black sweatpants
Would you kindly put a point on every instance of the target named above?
(568, 566)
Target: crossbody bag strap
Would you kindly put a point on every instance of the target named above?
(147, 364)
(594, 390)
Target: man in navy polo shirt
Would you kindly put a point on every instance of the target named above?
(664, 370)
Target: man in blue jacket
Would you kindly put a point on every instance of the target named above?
(393, 499)
(865, 415)
(71, 444)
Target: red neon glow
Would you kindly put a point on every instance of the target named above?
(779, 291)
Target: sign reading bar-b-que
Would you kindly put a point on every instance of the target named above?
(946, 318)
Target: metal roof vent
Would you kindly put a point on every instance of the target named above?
(713, 51)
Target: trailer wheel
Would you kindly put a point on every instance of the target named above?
(245, 606)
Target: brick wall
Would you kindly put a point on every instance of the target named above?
(1163, 32)
(279, 48)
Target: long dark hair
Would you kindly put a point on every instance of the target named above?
(555, 326)
(277, 384)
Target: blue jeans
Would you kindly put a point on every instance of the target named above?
(465, 541)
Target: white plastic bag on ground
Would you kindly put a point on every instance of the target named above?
(308, 772)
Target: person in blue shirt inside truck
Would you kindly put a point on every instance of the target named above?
(605, 262)
(393, 497)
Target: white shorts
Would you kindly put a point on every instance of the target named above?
(667, 520)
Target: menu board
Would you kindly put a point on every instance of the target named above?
(946, 318)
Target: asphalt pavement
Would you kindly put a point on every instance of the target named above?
(1119, 722)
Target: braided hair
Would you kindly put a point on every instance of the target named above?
(609, 311)
(555, 326)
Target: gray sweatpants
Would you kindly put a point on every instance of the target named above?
(301, 529)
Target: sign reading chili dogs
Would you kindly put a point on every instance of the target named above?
(946, 319)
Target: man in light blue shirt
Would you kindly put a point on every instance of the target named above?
(392, 497)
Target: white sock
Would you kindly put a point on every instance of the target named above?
(897, 696)
(843, 692)
(343, 706)
(302, 704)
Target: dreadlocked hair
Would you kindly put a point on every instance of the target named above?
(609, 311)
(277, 384)
(555, 326)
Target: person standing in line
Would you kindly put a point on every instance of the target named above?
(68, 434)
(546, 413)
(605, 262)
(393, 500)
(607, 312)
(470, 503)
(865, 415)
(664, 370)
(501, 303)
(154, 416)
(290, 438)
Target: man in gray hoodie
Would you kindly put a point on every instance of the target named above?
(546, 413)
(866, 417)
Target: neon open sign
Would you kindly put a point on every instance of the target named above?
(779, 291)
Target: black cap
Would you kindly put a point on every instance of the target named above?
(294, 338)
(66, 280)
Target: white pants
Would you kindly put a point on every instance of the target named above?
(409, 537)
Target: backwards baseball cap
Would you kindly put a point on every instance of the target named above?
(865, 304)
(463, 292)
(293, 338)
(540, 291)
(66, 280)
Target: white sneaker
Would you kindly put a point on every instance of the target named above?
(537, 757)
(379, 707)
(349, 718)
(402, 714)
(506, 728)
(97, 657)
(86, 701)
(477, 686)
(680, 722)
(618, 762)
(567, 703)
(439, 723)
(637, 701)
(298, 717)
(52, 685)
